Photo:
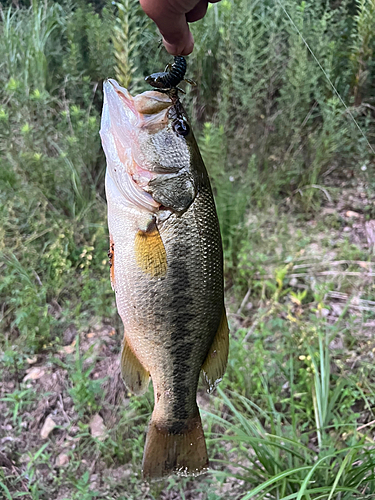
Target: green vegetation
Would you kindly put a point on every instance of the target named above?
(292, 171)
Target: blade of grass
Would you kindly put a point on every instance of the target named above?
(311, 472)
(273, 480)
(339, 474)
(6, 490)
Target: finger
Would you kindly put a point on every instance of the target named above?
(198, 12)
(169, 17)
(161, 7)
(182, 48)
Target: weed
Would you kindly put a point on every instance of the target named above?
(82, 486)
(84, 390)
(17, 402)
(12, 361)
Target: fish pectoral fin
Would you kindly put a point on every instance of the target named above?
(150, 252)
(214, 366)
(134, 375)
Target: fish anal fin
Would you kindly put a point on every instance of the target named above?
(134, 375)
(150, 252)
(214, 366)
(183, 453)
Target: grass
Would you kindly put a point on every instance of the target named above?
(292, 418)
(294, 415)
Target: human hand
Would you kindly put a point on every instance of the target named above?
(172, 18)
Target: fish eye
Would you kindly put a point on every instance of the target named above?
(180, 127)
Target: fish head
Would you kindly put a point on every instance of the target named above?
(147, 142)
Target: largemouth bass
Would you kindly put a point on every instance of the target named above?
(166, 270)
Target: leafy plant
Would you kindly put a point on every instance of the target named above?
(17, 401)
(84, 390)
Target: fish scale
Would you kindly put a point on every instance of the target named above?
(167, 272)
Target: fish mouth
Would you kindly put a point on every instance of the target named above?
(148, 110)
(148, 107)
(124, 117)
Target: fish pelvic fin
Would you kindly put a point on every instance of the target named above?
(150, 252)
(214, 366)
(134, 375)
(169, 452)
(111, 257)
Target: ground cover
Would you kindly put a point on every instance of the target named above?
(299, 382)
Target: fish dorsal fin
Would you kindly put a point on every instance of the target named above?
(134, 375)
(150, 252)
(214, 366)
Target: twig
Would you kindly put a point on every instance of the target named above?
(366, 425)
(63, 410)
(316, 186)
(244, 300)
(366, 105)
(251, 330)
(329, 170)
(332, 273)
(39, 281)
(320, 273)
(335, 263)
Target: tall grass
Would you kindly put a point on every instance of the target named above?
(126, 37)
(282, 466)
(25, 42)
(362, 48)
(276, 447)
(51, 170)
(271, 97)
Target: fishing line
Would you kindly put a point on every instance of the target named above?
(326, 75)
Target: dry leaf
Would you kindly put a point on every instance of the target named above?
(97, 427)
(337, 309)
(350, 213)
(34, 373)
(33, 360)
(68, 349)
(24, 458)
(47, 428)
(91, 335)
(365, 265)
(61, 460)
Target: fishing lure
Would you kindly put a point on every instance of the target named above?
(171, 77)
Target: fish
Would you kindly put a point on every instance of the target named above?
(166, 268)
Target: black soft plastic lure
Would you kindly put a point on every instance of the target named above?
(171, 77)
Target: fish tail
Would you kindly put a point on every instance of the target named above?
(177, 449)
